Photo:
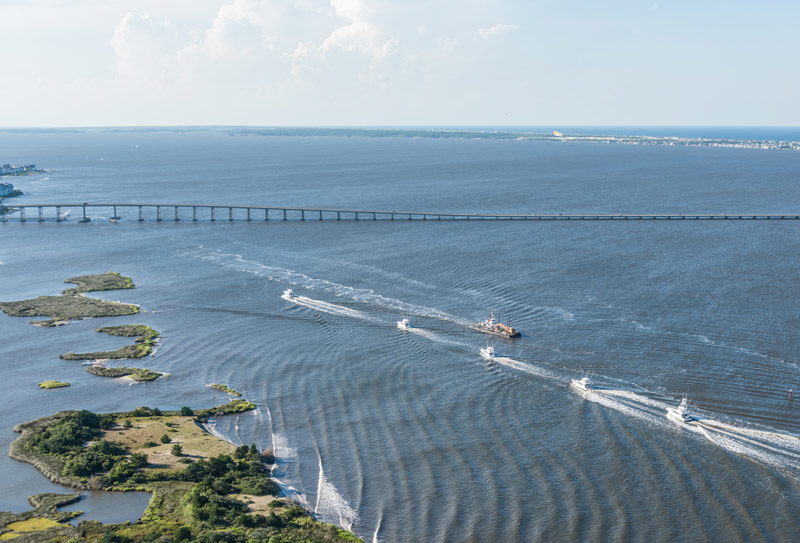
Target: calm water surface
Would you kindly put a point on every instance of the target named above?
(411, 436)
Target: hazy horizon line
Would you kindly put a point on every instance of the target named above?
(392, 126)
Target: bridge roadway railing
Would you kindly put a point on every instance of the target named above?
(86, 212)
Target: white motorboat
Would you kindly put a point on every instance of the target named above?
(583, 384)
(487, 352)
(288, 293)
(403, 324)
(680, 413)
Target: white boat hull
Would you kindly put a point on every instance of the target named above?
(677, 417)
(579, 386)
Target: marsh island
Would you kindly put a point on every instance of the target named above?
(203, 488)
(72, 304)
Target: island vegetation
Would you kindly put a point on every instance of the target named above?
(226, 389)
(203, 489)
(72, 304)
(42, 523)
(53, 384)
(99, 282)
(146, 338)
(137, 374)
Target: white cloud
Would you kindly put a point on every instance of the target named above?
(496, 30)
(360, 35)
(237, 29)
(142, 45)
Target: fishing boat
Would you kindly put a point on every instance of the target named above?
(487, 352)
(491, 326)
(680, 413)
(582, 385)
(403, 324)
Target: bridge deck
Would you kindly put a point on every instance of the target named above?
(61, 212)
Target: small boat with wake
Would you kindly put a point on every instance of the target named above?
(582, 385)
(491, 326)
(403, 324)
(487, 352)
(680, 413)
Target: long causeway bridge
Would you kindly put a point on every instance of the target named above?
(86, 212)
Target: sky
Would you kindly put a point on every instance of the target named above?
(399, 62)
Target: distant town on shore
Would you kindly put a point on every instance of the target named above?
(28, 169)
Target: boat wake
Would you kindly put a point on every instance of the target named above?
(433, 336)
(781, 451)
(331, 506)
(526, 368)
(294, 278)
(281, 449)
(325, 307)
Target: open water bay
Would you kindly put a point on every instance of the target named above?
(408, 436)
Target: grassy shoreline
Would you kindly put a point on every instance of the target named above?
(226, 389)
(203, 488)
(140, 375)
(146, 339)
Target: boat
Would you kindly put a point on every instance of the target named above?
(583, 384)
(680, 413)
(288, 294)
(491, 326)
(113, 219)
(403, 324)
(487, 352)
(558, 134)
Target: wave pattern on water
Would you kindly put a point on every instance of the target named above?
(331, 506)
(294, 278)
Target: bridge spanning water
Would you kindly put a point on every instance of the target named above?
(86, 212)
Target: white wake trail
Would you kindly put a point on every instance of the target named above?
(331, 506)
(294, 278)
(433, 336)
(773, 449)
(527, 368)
(326, 307)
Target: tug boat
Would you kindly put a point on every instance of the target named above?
(582, 385)
(491, 326)
(487, 352)
(403, 324)
(680, 413)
